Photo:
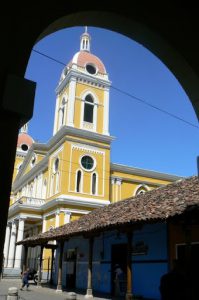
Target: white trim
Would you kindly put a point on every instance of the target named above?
(89, 149)
(71, 102)
(141, 186)
(104, 174)
(70, 168)
(113, 188)
(56, 116)
(65, 97)
(106, 112)
(28, 216)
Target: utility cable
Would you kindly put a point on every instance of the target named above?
(129, 95)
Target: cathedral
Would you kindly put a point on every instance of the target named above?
(69, 176)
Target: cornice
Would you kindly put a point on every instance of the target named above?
(143, 172)
(74, 74)
(139, 181)
(75, 201)
(62, 200)
(75, 132)
(25, 208)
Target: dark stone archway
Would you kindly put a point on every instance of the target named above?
(167, 30)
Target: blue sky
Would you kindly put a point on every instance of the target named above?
(145, 137)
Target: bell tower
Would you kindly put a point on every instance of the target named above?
(82, 95)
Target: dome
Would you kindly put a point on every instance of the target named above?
(84, 58)
(24, 141)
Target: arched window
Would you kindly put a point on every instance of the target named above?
(78, 181)
(142, 189)
(88, 109)
(94, 182)
(62, 110)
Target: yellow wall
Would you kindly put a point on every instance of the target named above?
(130, 183)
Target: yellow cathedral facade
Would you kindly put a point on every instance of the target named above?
(69, 176)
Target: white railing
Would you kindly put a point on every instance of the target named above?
(29, 201)
(35, 201)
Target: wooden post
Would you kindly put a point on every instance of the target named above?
(52, 261)
(129, 295)
(25, 258)
(89, 292)
(59, 279)
(40, 266)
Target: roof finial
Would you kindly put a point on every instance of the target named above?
(85, 41)
(24, 128)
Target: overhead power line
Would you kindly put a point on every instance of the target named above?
(129, 95)
(49, 57)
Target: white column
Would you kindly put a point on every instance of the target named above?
(71, 103)
(106, 112)
(6, 245)
(113, 189)
(57, 219)
(18, 253)
(56, 116)
(67, 217)
(118, 190)
(44, 224)
(12, 246)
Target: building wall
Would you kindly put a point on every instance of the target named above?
(147, 267)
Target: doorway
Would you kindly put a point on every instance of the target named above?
(118, 262)
(71, 269)
(189, 255)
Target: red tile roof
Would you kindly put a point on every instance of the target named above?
(156, 205)
(24, 138)
(82, 58)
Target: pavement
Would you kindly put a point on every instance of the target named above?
(43, 292)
